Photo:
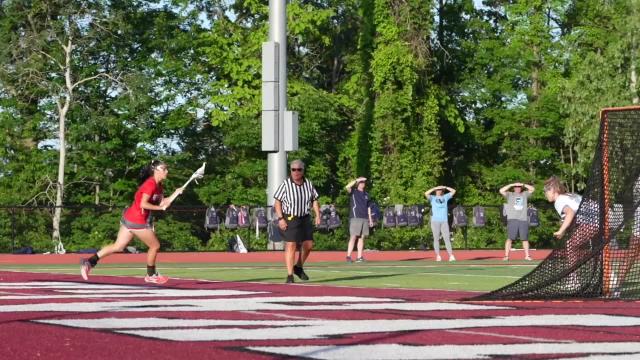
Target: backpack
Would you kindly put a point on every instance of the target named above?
(503, 214)
(479, 219)
(211, 219)
(325, 214)
(273, 231)
(532, 215)
(459, 217)
(401, 216)
(243, 218)
(389, 217)
(413, 216)
(333, 222)
(376, 215)
(259, 218)
(231, 219)
(24, 250)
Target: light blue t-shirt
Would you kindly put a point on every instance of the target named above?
(439, 207)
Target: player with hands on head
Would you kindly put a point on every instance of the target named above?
(440, 218)
(517, 219)
(360, 217)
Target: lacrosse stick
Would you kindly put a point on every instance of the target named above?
(196, 175)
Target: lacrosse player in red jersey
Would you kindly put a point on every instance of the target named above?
(136, 221)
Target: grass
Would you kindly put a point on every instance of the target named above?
(477, 275)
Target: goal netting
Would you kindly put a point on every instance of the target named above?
(599, 254)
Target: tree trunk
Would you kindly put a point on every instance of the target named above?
(62, 116)
(536, 87)
(573, 179)
(633, 83)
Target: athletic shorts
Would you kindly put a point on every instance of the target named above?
(299, 229)
(518, 229)
(358, 227)
(135, 226)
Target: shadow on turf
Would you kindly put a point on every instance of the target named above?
(361, 277)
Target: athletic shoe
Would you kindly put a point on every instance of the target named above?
(300, 272)
(289, 279)
(156, 279)
(360, 259)
(349, 260)
(506, 258)
(85, 268)
(528, 258)
(438, 258)
(452, 258)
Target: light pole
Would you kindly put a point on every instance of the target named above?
(279, 126)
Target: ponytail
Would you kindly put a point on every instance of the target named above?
(554, 183)
(148, 169)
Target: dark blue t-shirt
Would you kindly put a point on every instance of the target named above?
(359, 204)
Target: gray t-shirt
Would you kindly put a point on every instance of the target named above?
(517, 205)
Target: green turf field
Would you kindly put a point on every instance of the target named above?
(474, 275)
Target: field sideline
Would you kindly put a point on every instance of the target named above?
(474, 271)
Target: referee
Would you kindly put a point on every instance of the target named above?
(292, 200)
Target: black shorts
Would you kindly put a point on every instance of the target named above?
(299, 229)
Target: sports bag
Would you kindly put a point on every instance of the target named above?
(532, 215)
(231, 218)
(243, 217)
(389, 217)
(479, 219)
(459, 217)
(211, 219)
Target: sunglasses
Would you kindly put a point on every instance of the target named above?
(297, 169)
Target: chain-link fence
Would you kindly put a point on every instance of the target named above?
(181, 228)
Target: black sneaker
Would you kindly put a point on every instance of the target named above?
(349, 260)
(289, 279)
(300, 272)
(360, 259)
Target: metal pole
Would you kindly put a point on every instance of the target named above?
(13, 230)
(277, 161)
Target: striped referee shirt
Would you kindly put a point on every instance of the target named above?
(296, 199)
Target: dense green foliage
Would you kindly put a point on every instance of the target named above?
(410, 94)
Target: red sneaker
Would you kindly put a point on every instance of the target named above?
(85, 268)
(156, 279)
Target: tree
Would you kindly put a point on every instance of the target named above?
(407, 151)
(598, 35)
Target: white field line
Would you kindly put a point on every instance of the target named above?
(284, 316)
(527, 338)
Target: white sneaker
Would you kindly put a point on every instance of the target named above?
(438, 258)
(452, 258)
